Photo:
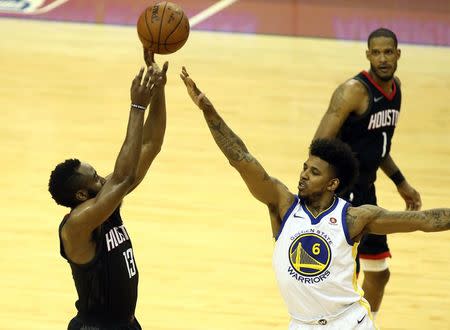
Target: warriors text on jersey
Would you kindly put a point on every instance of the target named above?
(107, 286)
(370, 134)
(314, 263)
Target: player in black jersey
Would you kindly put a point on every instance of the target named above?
(92, 236)
(363, 112)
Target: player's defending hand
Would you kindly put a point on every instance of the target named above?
(410, 195)
(196, 95)
(142, 89)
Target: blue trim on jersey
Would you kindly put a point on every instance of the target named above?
(315, 220)
(286, 216)
(344, 224)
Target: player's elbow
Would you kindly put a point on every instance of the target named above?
(153, 148)
(124, 178)
(129, 180)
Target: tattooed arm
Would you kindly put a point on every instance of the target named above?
(266, 189)
(263, 187)
(376, 220)
(349, 97)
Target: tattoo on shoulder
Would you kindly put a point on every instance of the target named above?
(336, 100)
(351, 217)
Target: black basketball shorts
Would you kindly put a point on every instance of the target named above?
(78, 324)
(371, 246)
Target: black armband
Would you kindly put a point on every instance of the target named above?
(397, 177)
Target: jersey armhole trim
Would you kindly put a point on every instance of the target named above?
(344, 224)
(286, 216)
(89, 264)
(370, 97)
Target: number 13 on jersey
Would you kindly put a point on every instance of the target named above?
(129, 261)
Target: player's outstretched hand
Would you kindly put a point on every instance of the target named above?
(142, 89)
(196, 95)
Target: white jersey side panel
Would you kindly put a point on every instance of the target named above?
(314, 262)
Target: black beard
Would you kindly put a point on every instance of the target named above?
(311, 197)
(374, 71)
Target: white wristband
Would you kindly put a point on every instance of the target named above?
(137, 106)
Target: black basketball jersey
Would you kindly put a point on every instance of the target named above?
(107, 286)
(370, 134)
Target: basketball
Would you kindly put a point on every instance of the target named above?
(163, 27)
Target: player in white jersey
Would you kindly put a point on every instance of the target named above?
(316, 232)
(313, 262)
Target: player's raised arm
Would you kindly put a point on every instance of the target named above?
(349, 97)
(263, 187)
(155, 124)
(94, 211)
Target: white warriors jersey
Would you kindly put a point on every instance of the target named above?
(314, 262)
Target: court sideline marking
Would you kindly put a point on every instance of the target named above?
(211, 10)
(42, 10)
(194, 20)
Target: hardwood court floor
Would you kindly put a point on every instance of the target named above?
(202, 243)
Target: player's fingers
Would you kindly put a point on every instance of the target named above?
(147, 77)
(184, 71)
(165, 67)
(184, 79)
(137, 79)
(153, 78)
(188, 82)
(140, 73)
(419, 202)
(158, 81)
(151, 88)
(148, 56)
(193, 86)
(151, 69)
(145, 50)
(155, 67)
